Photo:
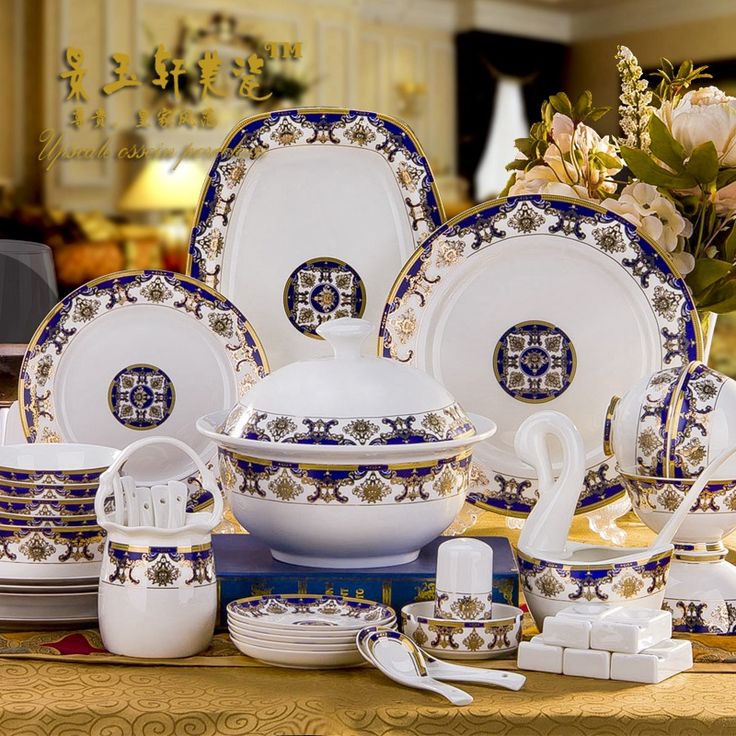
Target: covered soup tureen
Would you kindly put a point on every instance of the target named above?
(346, 461)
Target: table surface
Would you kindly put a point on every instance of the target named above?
(57, 697)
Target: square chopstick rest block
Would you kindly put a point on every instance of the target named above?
(655, 664)
(572, 625)
(586, 663)
(589, 611)
(536, 655)
(567, 631)
(631, 630)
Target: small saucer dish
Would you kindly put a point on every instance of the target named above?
(497, 637)
(304, 631)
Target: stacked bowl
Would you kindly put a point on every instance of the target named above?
(50, 542)
(664, 432)
(304, 631)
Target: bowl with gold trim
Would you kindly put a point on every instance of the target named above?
(46, 506)
(497, 637)
(41, 553)
(593, 574)
(673, 423)
(348, 461)
(54, 464)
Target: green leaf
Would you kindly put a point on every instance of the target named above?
(721, 299)
(643, 168)
(597, 113)
(729, 247)
(703, 163)
(610, 162)
(583, 106)
(561, 103)
(664, 146)
(706, 273)
(725, 177)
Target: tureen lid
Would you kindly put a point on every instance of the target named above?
(348, 399)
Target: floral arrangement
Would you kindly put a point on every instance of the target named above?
(672, 173)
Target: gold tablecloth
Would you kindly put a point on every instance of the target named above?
(48, 697)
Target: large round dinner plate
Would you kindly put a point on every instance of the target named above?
(306, 216)
(136, 354)
(539, 302)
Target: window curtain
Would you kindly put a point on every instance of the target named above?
(487, 64)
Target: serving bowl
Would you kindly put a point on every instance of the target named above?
(456, 639)
(346, 462)
(590, 574)
(671, 424)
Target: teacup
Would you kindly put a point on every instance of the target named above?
(673, 423)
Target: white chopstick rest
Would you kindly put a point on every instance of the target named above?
(586, 663)
(538, 656)
(655, 664)
(571, 627)
(631, 630)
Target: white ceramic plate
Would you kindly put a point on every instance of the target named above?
(320, 613)
(534, 302)
(307, 217)
(289, 647)
(301, 660)
(295, 635)
(133, 354)
(54, 607)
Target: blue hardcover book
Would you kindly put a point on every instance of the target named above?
(245, 568)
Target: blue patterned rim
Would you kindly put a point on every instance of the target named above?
(321, 122)
(52, 335)
(602, 485)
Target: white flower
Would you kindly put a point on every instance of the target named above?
(655, 215)
(702, 115)
(571, 167)
(542, 180)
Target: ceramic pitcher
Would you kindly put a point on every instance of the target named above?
(158, 591)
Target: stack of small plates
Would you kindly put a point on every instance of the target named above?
(40, 604)
(304, 631)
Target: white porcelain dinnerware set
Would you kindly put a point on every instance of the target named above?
(369, 435)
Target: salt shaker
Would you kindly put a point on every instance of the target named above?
(464, 580)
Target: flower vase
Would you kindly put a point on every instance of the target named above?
(708, 326)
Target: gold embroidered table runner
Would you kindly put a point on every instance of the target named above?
(64, 683)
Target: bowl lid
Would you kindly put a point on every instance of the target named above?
(348, 399)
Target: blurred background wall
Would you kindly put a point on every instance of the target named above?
(467, 75)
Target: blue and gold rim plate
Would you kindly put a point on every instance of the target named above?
(539, 300)
(138, 353)
(306, 215)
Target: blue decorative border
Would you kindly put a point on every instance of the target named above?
(488, 224)
(321, 124)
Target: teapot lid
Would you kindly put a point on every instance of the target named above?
(348, 399)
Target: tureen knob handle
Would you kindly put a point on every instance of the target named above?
(345, 335)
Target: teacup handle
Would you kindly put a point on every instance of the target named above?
(208, 479)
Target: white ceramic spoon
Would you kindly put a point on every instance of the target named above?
(161, 500)
(447, 671)
(404, 662)
(177, 504)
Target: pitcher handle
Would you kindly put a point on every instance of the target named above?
(208, 478)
